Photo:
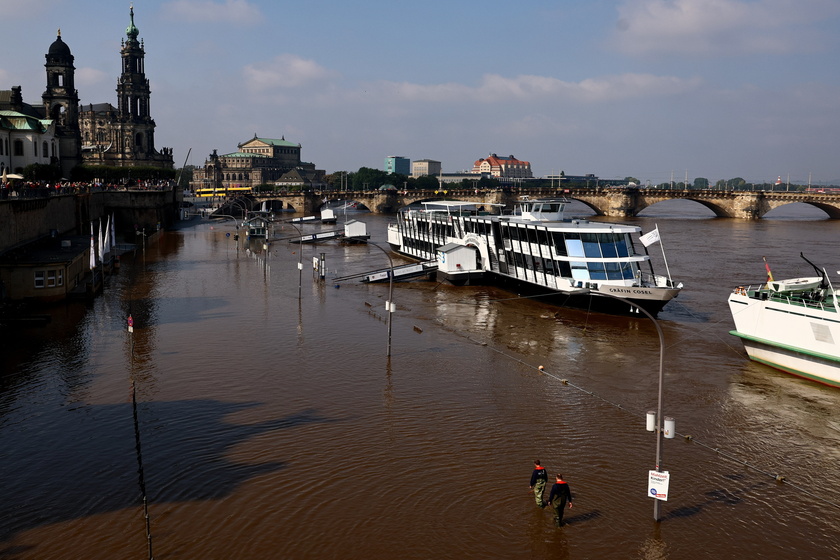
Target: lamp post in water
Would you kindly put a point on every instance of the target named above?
(390, 307)
(300, 257)
(657, 423)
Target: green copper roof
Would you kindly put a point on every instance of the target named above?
(244, 154)
(276, 142)
(132, 30)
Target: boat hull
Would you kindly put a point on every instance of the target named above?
(591, 300)
(797, 340)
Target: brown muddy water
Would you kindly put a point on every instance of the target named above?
(277, 427)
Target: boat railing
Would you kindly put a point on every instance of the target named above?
(799, 299)
(648, 279)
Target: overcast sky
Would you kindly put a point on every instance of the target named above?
(643, 88)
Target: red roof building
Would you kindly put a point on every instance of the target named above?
(500, 166)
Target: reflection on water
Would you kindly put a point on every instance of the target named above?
(274, 426)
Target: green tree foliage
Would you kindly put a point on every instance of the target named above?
(185, 176)
(629, 180)
(41, 172)
(701, 183)
(736, 184)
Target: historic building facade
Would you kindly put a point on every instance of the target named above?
(93, 134)
(258, 161)
(124, 136)
(503, 167)
(25, 137)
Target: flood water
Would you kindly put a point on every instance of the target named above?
(274, 426)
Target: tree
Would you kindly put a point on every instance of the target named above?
(633, 180)
(736, 184)
(701, 183)
(185, 176)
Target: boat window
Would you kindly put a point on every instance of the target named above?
(590, 245)
(548, 266)
(579, 271)
(608, 247)
(614, 271)
(564, 269)
(575, 247)
(513, 232)
(542, 237)
(559, 243)
(621, 245)
(596, 271)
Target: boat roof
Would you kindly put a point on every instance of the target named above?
(542, 200)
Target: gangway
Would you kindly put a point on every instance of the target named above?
(402, 272)
(316, 237)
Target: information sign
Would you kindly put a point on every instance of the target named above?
(658, 485)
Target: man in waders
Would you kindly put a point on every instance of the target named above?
(538, 481)
(560, 494)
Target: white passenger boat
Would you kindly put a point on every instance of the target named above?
(792, 325)
(572, 262)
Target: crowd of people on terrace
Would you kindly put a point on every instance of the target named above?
(18, 188)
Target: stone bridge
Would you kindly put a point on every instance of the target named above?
(618, 202)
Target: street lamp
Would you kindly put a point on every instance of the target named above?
(657, 423)
(389, 305)
(300, 257)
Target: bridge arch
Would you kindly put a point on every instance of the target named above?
(718, 210)
(832, 210)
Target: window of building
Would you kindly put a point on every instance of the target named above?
(45, 149)
(51, 279)
(18, 147)
(39, 279)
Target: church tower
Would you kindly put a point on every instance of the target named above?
(133, 95)
(124, 136)
(61, 102)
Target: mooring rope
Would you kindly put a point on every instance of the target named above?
(720, 452)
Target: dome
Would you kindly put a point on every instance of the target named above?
(59, 48)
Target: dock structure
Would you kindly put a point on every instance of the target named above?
(403, 272)
(353, 231)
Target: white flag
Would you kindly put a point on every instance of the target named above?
(107, 239)
(101, 243)
(649, 239)
(92, 249)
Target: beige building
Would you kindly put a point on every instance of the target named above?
(425, 167)
(258, 161)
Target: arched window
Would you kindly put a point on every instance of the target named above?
(138, 141)
(18, 147)
(45, 150)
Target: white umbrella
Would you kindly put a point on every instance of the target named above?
(14, 176)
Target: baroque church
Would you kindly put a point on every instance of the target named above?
(62, 132)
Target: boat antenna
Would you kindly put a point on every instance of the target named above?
(824, 282)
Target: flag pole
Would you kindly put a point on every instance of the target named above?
(662, 245)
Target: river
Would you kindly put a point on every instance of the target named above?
(275, 426)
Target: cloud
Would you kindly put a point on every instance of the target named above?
(720, 27)
(230, 11)
(499, 89)
(284, 71)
